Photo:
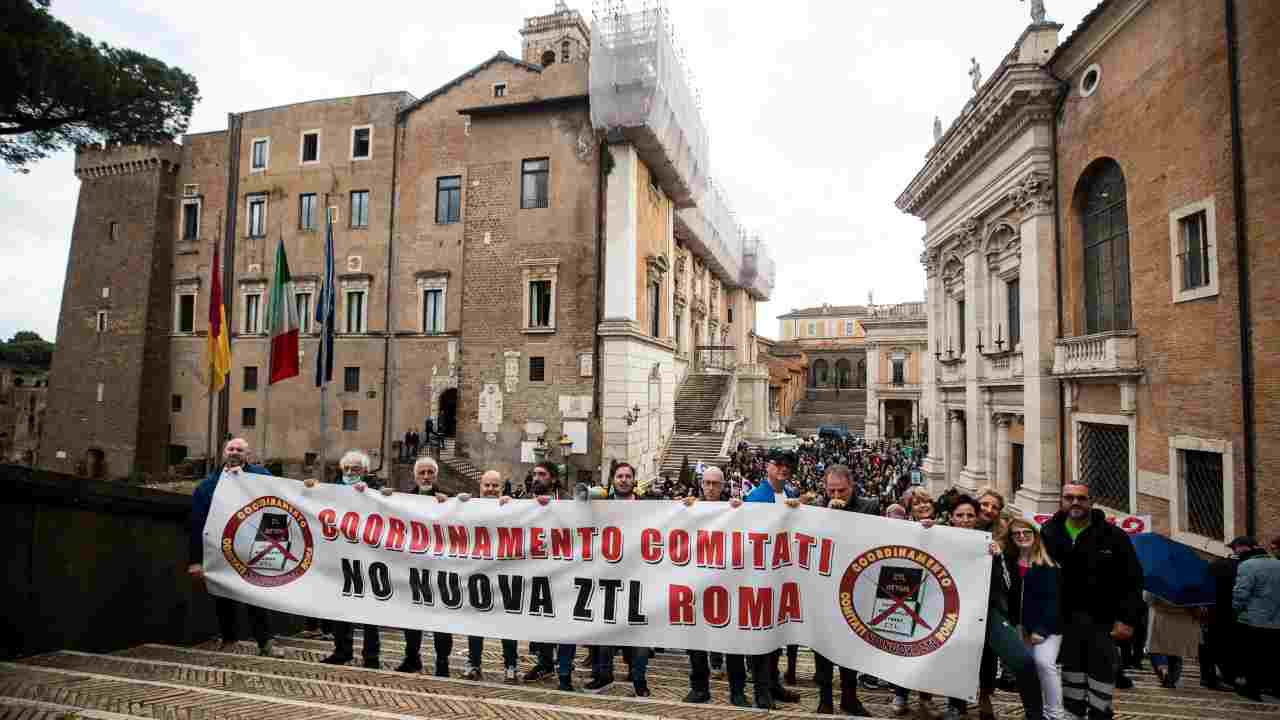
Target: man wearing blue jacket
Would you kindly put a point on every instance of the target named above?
(234, 461)
(779, 465)
(1256, 597)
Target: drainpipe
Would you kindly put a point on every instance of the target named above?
(597, 363)
(387, 332)
(1065, 89)
(234, 131)
(1242, 268)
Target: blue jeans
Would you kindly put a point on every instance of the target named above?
(1172, 665)
(637, 659)
(564, 655)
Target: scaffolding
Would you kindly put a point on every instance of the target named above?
(641, 89)
(712, 232)
(758, 270)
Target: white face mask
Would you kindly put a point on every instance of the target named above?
(351, 478)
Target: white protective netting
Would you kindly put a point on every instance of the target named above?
(715, 232)
(758, 270)
(638, 80)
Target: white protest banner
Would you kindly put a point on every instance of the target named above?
(1131, 524)
(884, 596)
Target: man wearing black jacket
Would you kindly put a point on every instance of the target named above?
(1101, 599)
(425, 472)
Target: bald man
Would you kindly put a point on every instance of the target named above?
(490, 488)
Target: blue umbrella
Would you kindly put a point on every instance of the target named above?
(1173, 571)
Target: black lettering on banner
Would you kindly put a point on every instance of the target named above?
(450, 589)
(352, 578)
(611, 588)
(480, 592)
(420, 586)
(540, 602)
(380, 581)
(582, 606)
(511, 588)
(634, 616)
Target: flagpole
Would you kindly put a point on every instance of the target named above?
(322, 359)
(266, 395)
(209, 335)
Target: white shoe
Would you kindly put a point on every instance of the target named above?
(511, 678)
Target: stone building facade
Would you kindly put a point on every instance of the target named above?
(833, 338)
(509, 268)
(897, 339)
(1110, 198)
(23, 400)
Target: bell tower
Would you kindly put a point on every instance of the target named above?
(560, 37)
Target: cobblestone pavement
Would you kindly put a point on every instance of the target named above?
(160, 681)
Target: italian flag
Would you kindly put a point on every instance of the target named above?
(282, 321)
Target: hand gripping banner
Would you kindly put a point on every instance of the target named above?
(873, 594)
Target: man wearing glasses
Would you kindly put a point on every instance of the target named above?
(1101, 599)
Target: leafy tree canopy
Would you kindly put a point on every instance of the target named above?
(58, 89)
(27, 348)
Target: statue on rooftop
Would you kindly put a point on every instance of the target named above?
(1037, 11)
(975, 73)
(937, 129)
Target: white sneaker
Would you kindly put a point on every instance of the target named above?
(511, 678)
(899, 705)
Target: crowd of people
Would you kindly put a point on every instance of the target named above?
(1065, 599)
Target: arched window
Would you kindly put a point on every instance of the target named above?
(564, 51)
(1105, 223)
(820, 370)
(548, 58)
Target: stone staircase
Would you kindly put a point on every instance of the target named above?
(823, 407)
(692, 436)
(166, 681)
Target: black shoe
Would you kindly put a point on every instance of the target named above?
(1248, 694)
(698, 697)
(536, 673)
(855, 708)
(766, 703)
(785, 695)
(790, 677)
(598, 683)
(409, 666)
(372, 663)
(336, 659)
(566, 683)
(825, 708)
(1123, 682)
(642, 691)
(739, 699)
(442, 670)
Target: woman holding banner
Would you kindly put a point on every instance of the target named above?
(1035, 606)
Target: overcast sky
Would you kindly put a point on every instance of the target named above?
(819, 112)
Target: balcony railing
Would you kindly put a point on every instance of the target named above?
(1003, 366)
(1109, 353)
(715, 357)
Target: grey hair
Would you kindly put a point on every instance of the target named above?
(425, 461)
(715, 469)
(356, 456)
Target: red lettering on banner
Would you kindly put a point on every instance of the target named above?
(395, 534)
(510, 543)
(781, 551)
(328, 524)
(805, 543)
(651, 546)
(421, 538)
(710, 552)
(680, 604)
(824, 556)
(561, 544)
(587, 541)
(373, 530)
(758, 542)
(755, 608)
(789, 604)
(537, 545)
(438, 533)
(482, 548)
(351, 527)
(678, 547)
(715, 606)
(458, 541)
(611, 544)
(737, 550)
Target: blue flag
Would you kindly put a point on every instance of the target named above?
(325, 306)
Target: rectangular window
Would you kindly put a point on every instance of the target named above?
(679, 319)
(1015, 457)
(1104, 464)
(655, 309)
(102, 321)
(359, 208)
(257, 216)
(307, 211)
(350, 420)
(310, 147)
(248, 417)
(258, 154)
(1013, 293)
(813, 329)
(1202, 482)
(252, 313)
(539, 303)
(250, 378)
(113, 231)
(1195, 251)
(533, 183)
(848, 327)
(960, 325)
(186, 313)
(175, 403)
(351, 379)
(729, 310)
(303, 302)
(433, 310)
(309, 458)
(361, 142)
(537, 369)
(899, 374)
(190, 220)
(355, 311)
(448, 199)
(499, 90)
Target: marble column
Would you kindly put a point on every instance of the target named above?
(955, 453)
(1004, 478)
(873, 396)
(976, 426)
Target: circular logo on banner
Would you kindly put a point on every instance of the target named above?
(268, 542)
(900, 600)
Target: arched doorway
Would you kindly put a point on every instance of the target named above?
(448, 419)
(95, 463)
(821, 372)
(844, 373)
(861, 379)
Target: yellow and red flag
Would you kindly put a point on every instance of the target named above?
(219, 342)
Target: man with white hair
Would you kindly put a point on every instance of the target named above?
(235, 460)
(354, 473)
(490, 487)
(425, 473)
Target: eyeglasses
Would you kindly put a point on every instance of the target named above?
(1076, 498)
(1022, 533)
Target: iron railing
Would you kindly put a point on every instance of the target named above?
(715, 357)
